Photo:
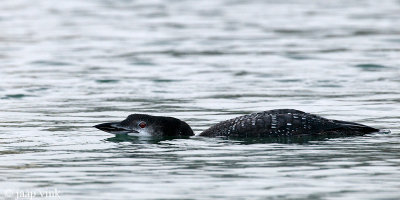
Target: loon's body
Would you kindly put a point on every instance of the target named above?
(283, 122)
(272, 123)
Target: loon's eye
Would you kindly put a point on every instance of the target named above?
(142, 124)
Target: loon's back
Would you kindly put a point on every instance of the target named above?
(283, 122)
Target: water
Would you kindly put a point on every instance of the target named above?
(68, 65)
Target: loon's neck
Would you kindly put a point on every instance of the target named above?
(171, 126)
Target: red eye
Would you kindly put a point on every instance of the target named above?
(142, 124)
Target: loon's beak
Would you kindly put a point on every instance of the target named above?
(115, 128)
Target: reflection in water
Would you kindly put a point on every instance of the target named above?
(140, 140)
(68, 65)
(296, 139)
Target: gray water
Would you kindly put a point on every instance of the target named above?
(68, 65)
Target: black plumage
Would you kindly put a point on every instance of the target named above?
(283, 122)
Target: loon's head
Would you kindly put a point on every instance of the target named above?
(148, 125)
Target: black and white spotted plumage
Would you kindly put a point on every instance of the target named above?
(282, 122)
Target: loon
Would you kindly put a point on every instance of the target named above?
(271, 123)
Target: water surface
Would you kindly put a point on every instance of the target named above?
(68, 65)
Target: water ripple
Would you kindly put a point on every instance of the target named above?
(68, 65)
